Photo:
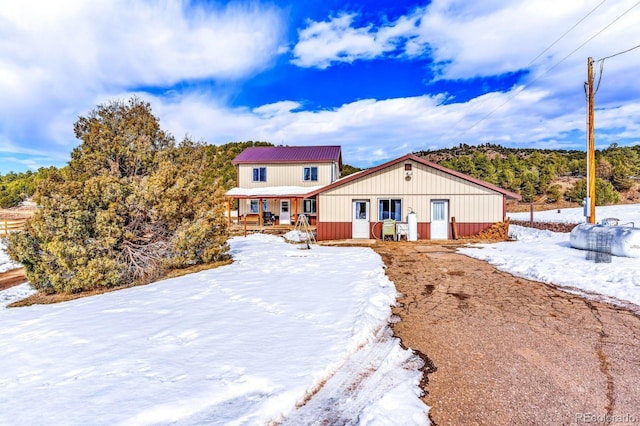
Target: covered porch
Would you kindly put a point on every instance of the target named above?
(277, 206)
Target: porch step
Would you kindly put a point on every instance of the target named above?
(266, 229)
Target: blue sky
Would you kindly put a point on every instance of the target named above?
(379, 78)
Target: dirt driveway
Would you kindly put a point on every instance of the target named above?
(508, 351)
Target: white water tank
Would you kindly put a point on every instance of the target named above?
(412, 224)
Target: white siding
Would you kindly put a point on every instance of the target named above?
(284, 175)
(468, 202)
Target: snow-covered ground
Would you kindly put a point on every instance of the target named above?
(244, 343)
(237, 345)
(5, 263)
(625, 213)
(548, 256)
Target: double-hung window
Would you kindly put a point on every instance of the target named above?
(311, 173)
(253, 206)
(309, 206)
(259, 174)
(390, 209)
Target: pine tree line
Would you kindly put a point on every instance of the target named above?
(533, 173)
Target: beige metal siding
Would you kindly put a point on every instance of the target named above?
(468, 202)
(335, 208)
(424, 180)
(336, 171)
(284, 175)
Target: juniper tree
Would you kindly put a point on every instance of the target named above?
(129, 205)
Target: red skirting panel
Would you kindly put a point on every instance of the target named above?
(342, 230)
(469, 229)
(333, 231)
(424, 231)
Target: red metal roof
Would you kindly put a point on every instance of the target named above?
(463, 176)
(290, 154)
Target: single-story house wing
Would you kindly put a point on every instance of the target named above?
(356, 206)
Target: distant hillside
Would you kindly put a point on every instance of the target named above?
(547, 175)
(539, 175)
(220, 157)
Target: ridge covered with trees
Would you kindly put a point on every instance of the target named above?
(542, 174)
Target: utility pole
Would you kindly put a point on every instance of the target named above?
(591, 154)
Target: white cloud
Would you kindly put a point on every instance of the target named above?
(475, 39)
(506, 36)
(57, 61)
(58, 58)
(324, 43)
(468, 40)
(277, 108)
(371, 131)
(139, 42)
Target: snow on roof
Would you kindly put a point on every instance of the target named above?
(272, 191)
(286, 154)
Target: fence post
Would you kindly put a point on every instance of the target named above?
(245, 224)
(531, 214)
(454, 228)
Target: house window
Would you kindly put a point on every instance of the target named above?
(259, 174)
(390, 209)
(253, 207)
(407, 167)
(309, 206)
(311, 173)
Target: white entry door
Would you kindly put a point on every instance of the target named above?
(360, 224)
(285, 214)
(439, 220)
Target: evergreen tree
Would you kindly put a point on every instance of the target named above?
(554, 193)
(16, 187)
(605, 192)
(130, 205)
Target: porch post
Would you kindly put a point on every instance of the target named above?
(260, 211)
(295, 210)
(228, 211)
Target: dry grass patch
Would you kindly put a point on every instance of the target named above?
(47, 299)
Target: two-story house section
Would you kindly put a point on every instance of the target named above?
(276, 179)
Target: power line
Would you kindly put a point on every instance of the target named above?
(521, 88)
(535, 59)
(609, 57)
(619, 53)
(566, 32)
